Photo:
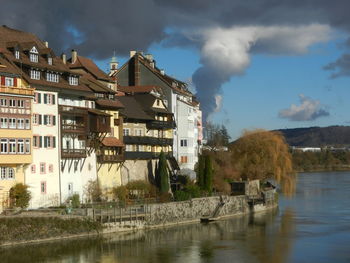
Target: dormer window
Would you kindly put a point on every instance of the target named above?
(34, 74)
(34, 55)
(52, 77)
(17, 54)
(49, 60)
(73, 80)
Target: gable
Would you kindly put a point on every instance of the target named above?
(34, 50)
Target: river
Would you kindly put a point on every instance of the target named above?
(312, 226)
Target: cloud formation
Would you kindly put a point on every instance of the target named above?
(308, 110)
(226, 33)
(341, 66)
(226, 53)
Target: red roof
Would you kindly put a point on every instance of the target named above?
(112, 142)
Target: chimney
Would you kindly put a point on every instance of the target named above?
(149, 57)
(64, 58)
(162, 71)
(74, 56)
(132, 53)
(46, 44)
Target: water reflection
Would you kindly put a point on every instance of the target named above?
(313, 226)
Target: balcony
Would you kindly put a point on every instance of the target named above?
(162, 125)
(79, 128)
(17, 90)
(110, 158)
(144, 155)
(148, 140)
(72, 110)
(99, 122)
(73, 153)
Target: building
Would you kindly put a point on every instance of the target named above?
(59, 97)
(140, 70)
(147, 131)
(16, 99)
(109, 144)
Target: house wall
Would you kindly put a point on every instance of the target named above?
(138, 170)
(44, 184)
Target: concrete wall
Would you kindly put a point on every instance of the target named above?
(137, 170)
(178, 212)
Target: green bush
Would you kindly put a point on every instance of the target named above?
(190, 191)
(182, 195)
(20, 195)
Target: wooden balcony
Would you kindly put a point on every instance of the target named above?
(99, 122)
(110, 158)
(161, 125)
(148, 140)
(78, 128)
(145, 155)
(73, 153)
(17, 90)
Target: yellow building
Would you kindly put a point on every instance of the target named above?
(15, 129)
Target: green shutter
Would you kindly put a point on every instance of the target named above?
(45, 141)
(54, 120)
(39, 97)
(53, 99)
(40, 141)
(40, 118)
(54, 141)
(45, 98)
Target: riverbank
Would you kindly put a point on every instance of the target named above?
(17, 230)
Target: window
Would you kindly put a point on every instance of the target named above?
(20, 146)
(3, 146)
(3, 102)
(10, 173)
(49, 142)
(37, 98)
(9, 82)
(49, 99)
(20, 123)
(27, 124)
(3, 123)
(138, 132)
(49, 120)
(183, 143)
(3, 173)
(183, 159)
(20, 103)
(49, 60)
(73, 80)
(27, 146)
(128, 148)
(35, 118)
(12, 123)
(33, 168)
(12, 146)
(52, 77)
(43, 187)
(126, 132)
(33, 57)
(12, 102)
(36, 141)
(42, 168)
(35, 74)
(16, 54)
(51, 168)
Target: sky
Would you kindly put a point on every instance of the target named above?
(252, 64)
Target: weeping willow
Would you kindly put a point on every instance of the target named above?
(261, 154)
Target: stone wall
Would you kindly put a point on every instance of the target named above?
(137, 170)
(180, 212)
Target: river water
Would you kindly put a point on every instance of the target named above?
(312, 226)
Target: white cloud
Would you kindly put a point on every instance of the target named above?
(308, 110)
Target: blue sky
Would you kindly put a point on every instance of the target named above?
(270, 83)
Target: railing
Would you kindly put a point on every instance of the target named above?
(17, 90)
(76, 128)
(144, 155)
(110, 158)
(73, 153)
(147, 140)
(160, 125)
(72, 110)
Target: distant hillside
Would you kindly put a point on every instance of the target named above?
(317, 137)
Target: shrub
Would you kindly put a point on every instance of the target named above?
(93, 191)
(20, 195)
(74, 201)
(181, 195)
(120, 192)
